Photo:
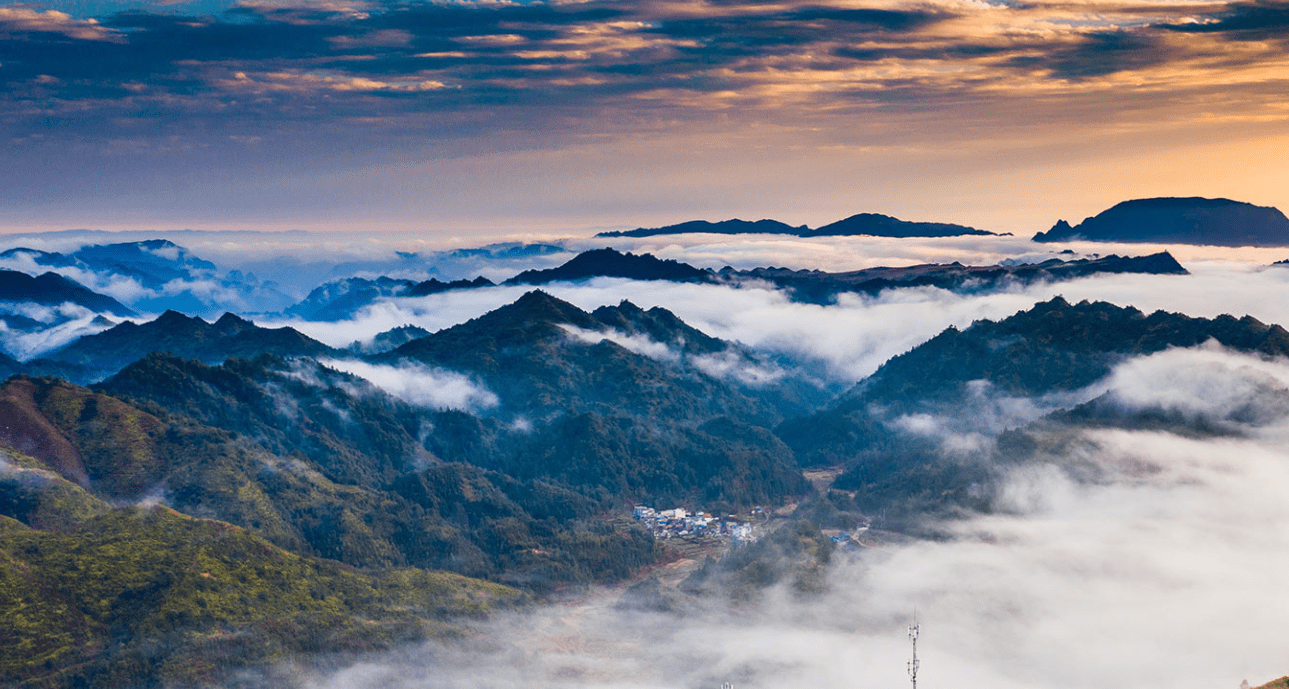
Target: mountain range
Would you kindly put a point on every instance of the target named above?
(611, 263)
(61, 351)
(186, 499)
(819, 287)
(1165, 220)
(48, 310)
(104, 282)
(344, 299)
(93, 357)
(862, 224)
(962, 381)
(154, 275)
(52, 289)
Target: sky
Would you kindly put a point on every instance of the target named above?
(492, 118)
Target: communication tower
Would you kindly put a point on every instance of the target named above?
(914, 664)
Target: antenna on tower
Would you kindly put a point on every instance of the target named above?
(913, 636)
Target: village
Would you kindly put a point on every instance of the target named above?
(681, 523)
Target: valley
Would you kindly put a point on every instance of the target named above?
(250, 500)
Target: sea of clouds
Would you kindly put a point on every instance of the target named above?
(1168, 571)
(856, 334)
(1165, 573)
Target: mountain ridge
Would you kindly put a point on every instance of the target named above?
(54, 289)
(609, 262)
(1054, 347)
(96, 356)
(1179, 220)
(809, 286)
(860, 224)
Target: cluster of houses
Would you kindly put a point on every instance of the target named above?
(678, 523)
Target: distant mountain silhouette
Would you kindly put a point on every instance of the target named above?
(877, 225)
(1216, 222)
(435, 286)
(611, 263)
(51, 259)
(52, 289)
(340, 300)
(868, 224)
(154, 261)
(172, 277)
(388, 340)
(814, 286)
(734, 226)
(818, 287)
(109, 351)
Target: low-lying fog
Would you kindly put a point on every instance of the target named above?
(858, 333)
(1167, 572)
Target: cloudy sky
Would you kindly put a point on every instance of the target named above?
(500, 117)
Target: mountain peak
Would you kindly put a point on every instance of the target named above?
(608, 262)
(1061, 228)
(878, 225)
(187, 336)
(1179, 220)
(434, 286)
(536, 316)
(659, 325)
(733, 226)
(170, 316)
(540, 305)
(231, 324)
(154, 244)
(51, 288)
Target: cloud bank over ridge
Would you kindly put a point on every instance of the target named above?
(854, 336)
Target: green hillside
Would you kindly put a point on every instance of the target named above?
(470, 520)
(135, 596)
(1053, 347)
(94, 357)
(183, 519)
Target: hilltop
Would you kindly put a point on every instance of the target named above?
(818, 287)
(610, 263)
(961, 383)
(52, 289)
(1216, 222)
(94, 357)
